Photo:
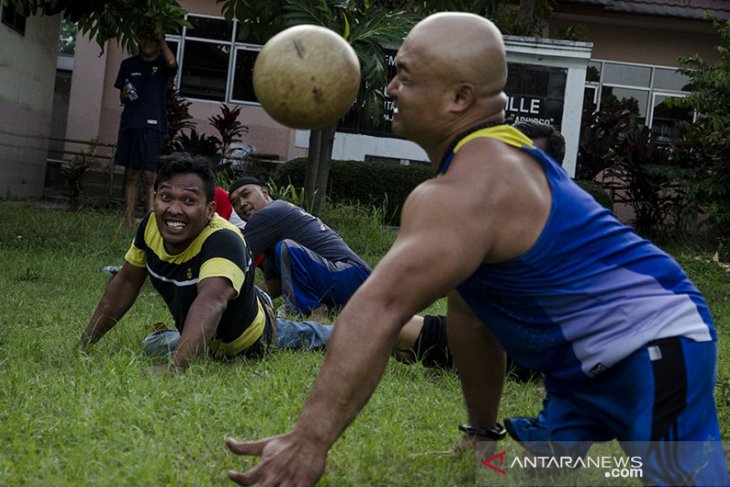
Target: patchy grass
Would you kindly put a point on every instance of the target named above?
(100, 419)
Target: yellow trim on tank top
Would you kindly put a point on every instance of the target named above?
(504, 133)
(247, 338)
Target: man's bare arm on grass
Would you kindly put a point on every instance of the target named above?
(481, 364)
(119, 296)
(440, 244)
(202, 320)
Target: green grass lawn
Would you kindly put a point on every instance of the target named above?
(100, 419)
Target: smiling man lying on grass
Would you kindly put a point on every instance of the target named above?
(200, 265)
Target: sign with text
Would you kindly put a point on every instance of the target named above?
(536, 93)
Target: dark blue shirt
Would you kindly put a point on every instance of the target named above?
(282, 220)
(150, 79)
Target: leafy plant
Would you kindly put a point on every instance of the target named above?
(651, 179)
(367, 25)
(122, 20)
(288, 192)
(371, 184)
(600, 131)
(710, 135)
(228, 127)
(74, 172)
(574, 33)
(225, 160)
(196, 143)
(178, 116)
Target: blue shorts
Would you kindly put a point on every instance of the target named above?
(308, 280)
(139, 149)
(658, 402)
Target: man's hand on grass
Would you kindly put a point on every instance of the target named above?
(286, 460)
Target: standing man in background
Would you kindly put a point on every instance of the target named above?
(142, 81)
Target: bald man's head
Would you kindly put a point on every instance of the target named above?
(450, 76)
(463, 47)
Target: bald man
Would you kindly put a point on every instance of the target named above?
(531, 264)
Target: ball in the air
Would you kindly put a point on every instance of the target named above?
(306, 77)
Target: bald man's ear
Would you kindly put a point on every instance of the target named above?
(464, 96)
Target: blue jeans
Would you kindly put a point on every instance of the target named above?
(290, 335)
(308, 280)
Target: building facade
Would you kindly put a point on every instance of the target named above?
(628, 53)
(28, 52)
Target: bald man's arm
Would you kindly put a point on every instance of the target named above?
(438, 246)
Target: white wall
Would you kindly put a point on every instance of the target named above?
(27, 77)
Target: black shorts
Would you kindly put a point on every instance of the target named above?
(139, 148)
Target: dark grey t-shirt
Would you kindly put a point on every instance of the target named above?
(282, 220)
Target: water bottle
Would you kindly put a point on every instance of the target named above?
(131, 90)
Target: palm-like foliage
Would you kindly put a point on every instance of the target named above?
(228, 126)
(122, 20)
(367, 25)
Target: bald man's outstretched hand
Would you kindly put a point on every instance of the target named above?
(287, 460)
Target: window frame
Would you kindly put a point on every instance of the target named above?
(13, 23)
(240, 47)
(234, 46)
(651, 89)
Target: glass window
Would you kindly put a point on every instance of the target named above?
(243, 76)
(207, 28)
(204, 70)
(244, 35)
(626, 74)
(665, 118)
(670, 79)
(593, 72)
(645, 91)
(589, 99)
(635, 101)
(13, 17)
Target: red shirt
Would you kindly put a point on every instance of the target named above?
(223, 203)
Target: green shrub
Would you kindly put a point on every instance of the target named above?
(362, 229)
(373, 184)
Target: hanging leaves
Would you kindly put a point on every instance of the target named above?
(122, 20)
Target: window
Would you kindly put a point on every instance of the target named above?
(666, 118)
(626, 74)
(670, 79)
(204, 70)
(13, 17)
(644, 90)
(635, 101)
(243, 75)
(213, 64)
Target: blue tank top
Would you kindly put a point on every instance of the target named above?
(589, 291)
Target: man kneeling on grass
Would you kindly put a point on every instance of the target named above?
(200, 265)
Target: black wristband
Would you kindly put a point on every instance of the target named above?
(496, 433)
